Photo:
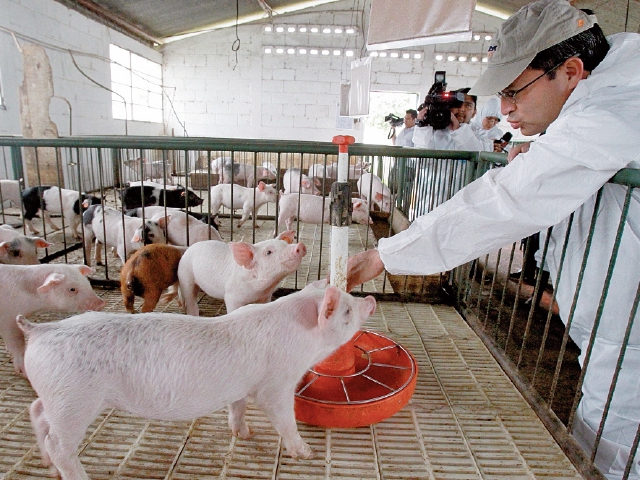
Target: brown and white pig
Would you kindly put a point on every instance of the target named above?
(174, 367)
(148, 272)
(248, 199)
(237, 272)
(39, 288)
(18, 249)
(311, 210)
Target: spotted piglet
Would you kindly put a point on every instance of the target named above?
(150, 271)
(174, 367)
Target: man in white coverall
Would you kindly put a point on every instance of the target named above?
(554, 70)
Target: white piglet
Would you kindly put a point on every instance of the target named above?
(174, 367)
(248, 199)
(37, 288)
(370, 185)
(294, 181)
(312, 211)
(184, 230)
(18, 249)
(10, 192)
(237, 272)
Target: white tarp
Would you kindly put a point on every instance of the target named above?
(405, 23)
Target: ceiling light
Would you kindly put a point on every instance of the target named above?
(474, 59)
(279, 29)
(337, 30)
(451, 58)
(485, 59)
(439, 57)
(313, 51)
(291, 29)
(326, 30)
(349, 53)
(383, 54)
(268, 28)
(351, 30)
(488, 37)
(291, 51)
(476, 37)
(394, 54)
(325, 52)
(302, 29)
(373, 54)
(314, 29)
(406, 55)
(267, 50)
(417, 55)
(462, 58)
(302, 51)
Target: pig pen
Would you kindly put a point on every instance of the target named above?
(465, 420)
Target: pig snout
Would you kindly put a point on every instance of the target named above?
(95, 304)
(300, 250)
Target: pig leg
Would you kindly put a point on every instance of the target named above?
(47, 220)
(278, 405)
(68, 424)
(30, 226)
(98, 254)
(14, 342)
(171, 293)
(246, 213)
(151, 296)
(237, 422)
(189, 292)
(41, 430)
(128, 298)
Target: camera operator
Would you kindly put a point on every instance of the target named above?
(457, 136)
(405, 137)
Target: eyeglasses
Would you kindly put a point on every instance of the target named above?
(510, 95)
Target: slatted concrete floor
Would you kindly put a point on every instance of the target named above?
(465, 421)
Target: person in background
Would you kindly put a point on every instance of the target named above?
(485, 125)
(405, 137)
(555, 71)
(457, 136)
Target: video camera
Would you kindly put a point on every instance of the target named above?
(439, 103)
(394, 120)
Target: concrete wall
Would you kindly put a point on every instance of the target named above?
(59, 29)
(291, 96)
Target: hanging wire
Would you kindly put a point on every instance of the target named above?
(235, 46)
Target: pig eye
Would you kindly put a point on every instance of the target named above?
(16, 254)
(348, 311)
(73, 289)
(268, 252)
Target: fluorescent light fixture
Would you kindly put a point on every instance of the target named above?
(383, 54)
(325, 52)
(267, 50)
(314, 30)
(406, 55)
(439, 57)
(279, 29)
(291, 51)
(313, 51)
(349, 53)
(337, 53)
(351, 30)
(476, 37)
(485, 59)
(491, 11)
(302, 51)
(474, 59)
(462, 58)
(488, 37)
(451, 58)
(268, 28)
(291, 29)
(302, 29)
(326, 30)
(279, 50)
(373, 54)
(337, 30)
(417, 55)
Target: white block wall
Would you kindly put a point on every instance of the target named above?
(58, 29)
(291, 96)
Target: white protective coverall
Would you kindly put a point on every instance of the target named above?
(489, 109)
(596, 134)
(464, 138)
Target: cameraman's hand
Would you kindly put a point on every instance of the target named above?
(455, 123)
(422, 113)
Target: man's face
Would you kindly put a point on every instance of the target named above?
(538, 105)
(409, 121)
(465, 113)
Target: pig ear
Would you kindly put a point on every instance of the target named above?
(288, 236)
(52, 280)
(85, 270)
(357, 204)
(329, 306)
(305, 183)
(242, 253)
(162, 221)
(379, 196)
(41, 242)
(136, 237)
(317, 182)
(4, 248)
(261, 186)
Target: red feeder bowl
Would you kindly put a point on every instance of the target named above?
(367, 380)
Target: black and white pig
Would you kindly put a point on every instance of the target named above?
(136, 197)
(31, 289)
(237, 272)
(174, 367)
(56, 200)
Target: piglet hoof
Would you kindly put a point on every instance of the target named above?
(239, 224)
(100, 263)
(243, 433)
(302, 451)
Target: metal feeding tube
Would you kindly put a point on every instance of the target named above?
(341, 208)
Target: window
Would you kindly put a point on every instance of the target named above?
(136, 84)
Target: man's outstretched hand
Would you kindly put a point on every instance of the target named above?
(363, 267)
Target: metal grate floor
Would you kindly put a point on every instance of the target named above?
(466, 420)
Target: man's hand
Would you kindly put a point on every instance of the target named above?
(455, 123)
(517, 149)
(422, 113)
(363, 267)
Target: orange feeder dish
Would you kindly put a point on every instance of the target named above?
(365, 381)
